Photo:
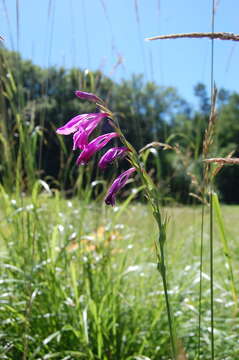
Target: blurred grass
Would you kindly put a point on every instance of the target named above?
(78, 285)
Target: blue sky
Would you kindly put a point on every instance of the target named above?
(103, 33)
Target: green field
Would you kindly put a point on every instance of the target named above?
(80, 280)
(147, 278)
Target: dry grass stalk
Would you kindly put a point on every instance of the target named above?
(220, 163)
(156, 144)
(209, 133)
(199, 198)
(208, 139)
(223, 161)
(215, 35)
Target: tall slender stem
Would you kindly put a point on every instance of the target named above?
(211, 276)
(211, 197)
(165, 288)
(151, 193)
(200, 281)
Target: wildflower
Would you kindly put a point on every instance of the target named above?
(111, 155)
(82, 126)
(95, 145)
(87, 96)
(118, 183)
(80, 121)
(72, 125)
(80, 138)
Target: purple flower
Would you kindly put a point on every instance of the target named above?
(111, 155)
(118, 183)
(79, 121)
(72, 125)
(95, 145)
(87, 96)
(80, 138)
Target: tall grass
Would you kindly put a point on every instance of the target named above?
(19, 134)
(77, 285)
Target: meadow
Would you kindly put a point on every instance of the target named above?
(79, 280)
(152, 277)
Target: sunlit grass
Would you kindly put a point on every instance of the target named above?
(79, 281)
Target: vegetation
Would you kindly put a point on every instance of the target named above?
(78, 285)
(36, 101)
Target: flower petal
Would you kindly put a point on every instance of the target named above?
(87, 96)
(72, 125)
(79, 121)
(111, 155)
(118, 184)
(95, 145)
(80, 138)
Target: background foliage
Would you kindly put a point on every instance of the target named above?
(35, 101)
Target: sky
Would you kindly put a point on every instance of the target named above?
(110, 35)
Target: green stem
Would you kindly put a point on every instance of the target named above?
(226, 249)
(200, 282)
(211, 196)
(211, 275)
(165, 288)
(151, 193)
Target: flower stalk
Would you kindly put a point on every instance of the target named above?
(152, 196)
(82, 126)
(162, 270)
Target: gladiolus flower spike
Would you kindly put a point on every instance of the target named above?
(81, 126)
